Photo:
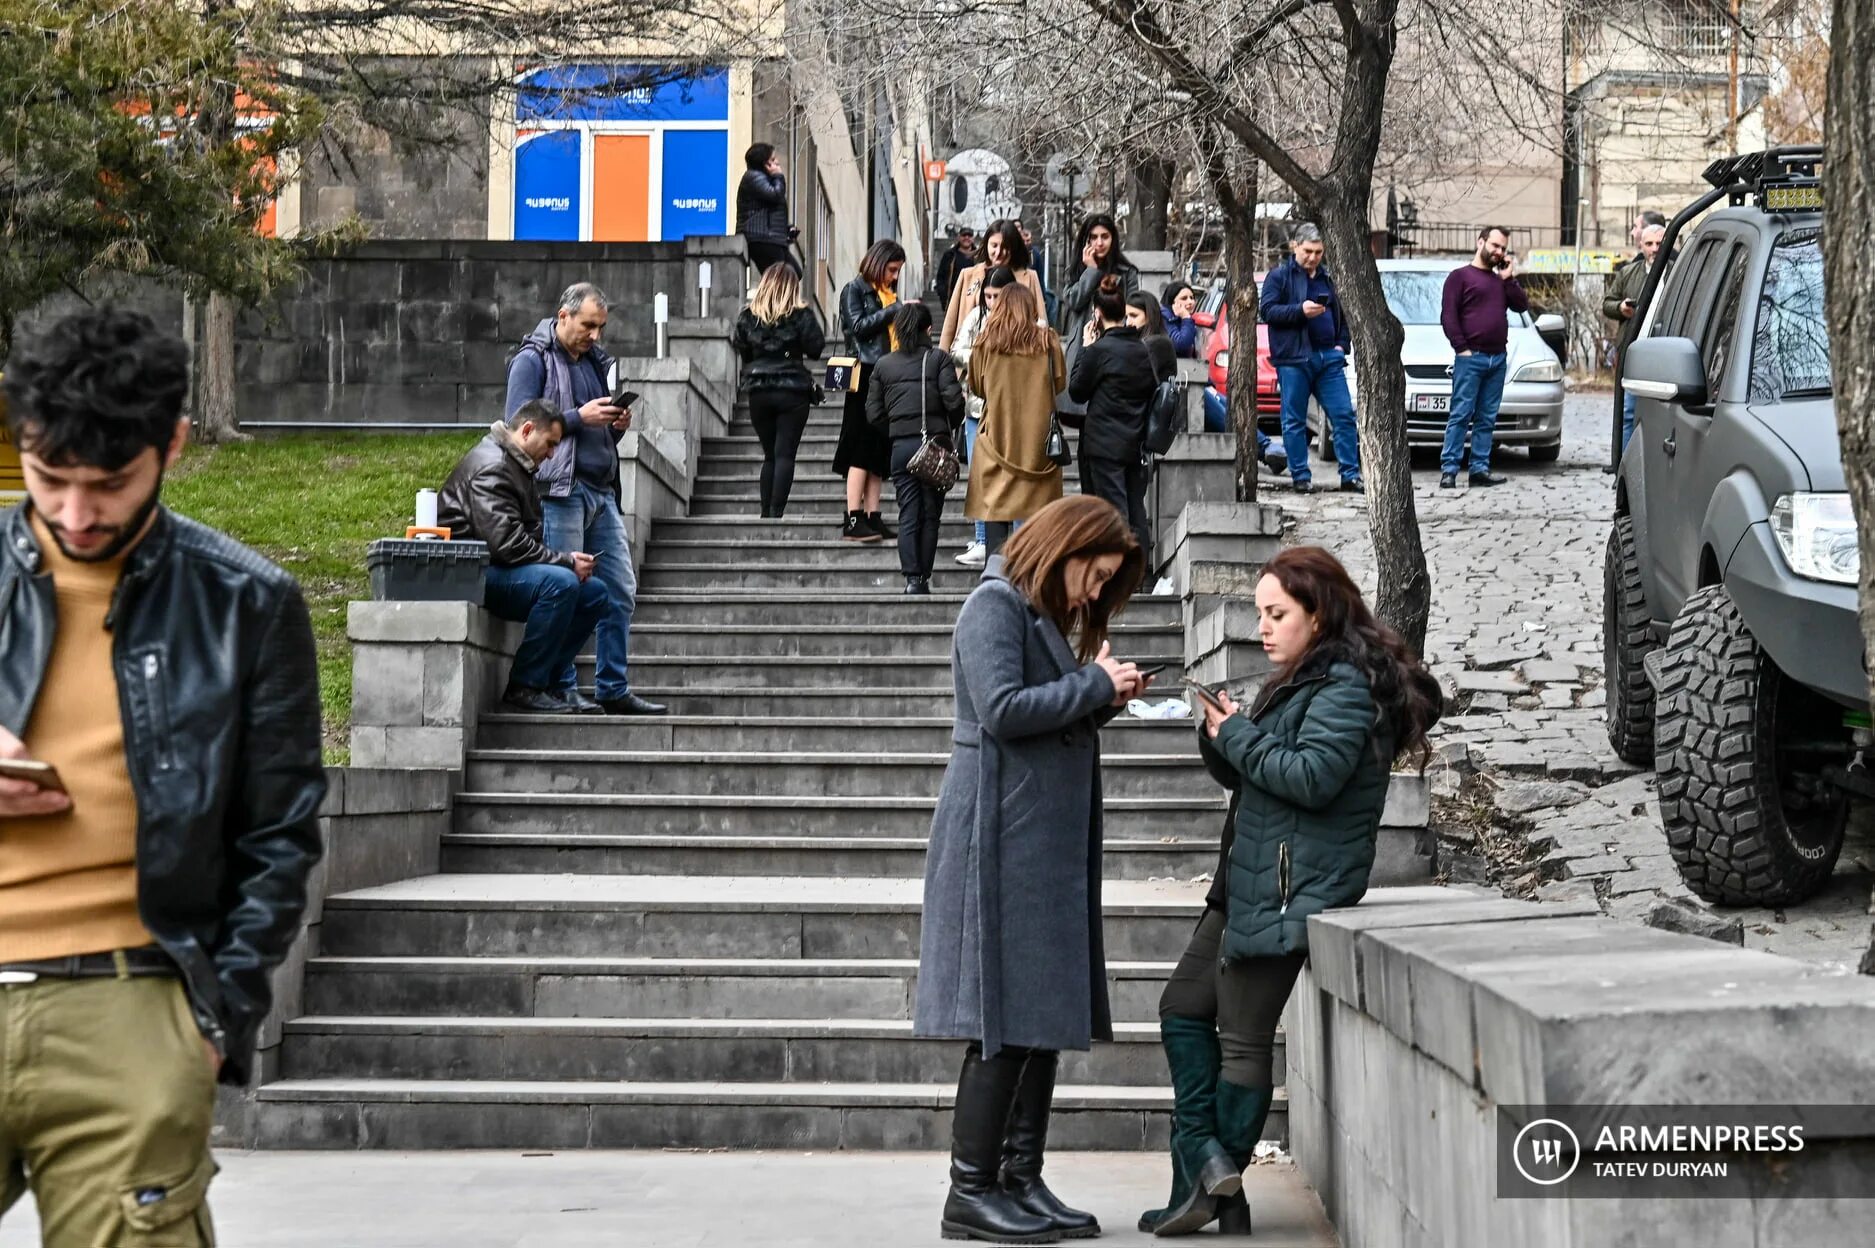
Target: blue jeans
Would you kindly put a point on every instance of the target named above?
(970, 453)
(1217, 418)
(559, 610)
(1627, 417)
(1477, 390)
(588, 520)
(1324, 376)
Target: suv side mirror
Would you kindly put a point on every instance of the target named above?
(1554, 331)
(1665, 368)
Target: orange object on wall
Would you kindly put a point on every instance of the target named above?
(621, 188)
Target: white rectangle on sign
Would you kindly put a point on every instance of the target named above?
(1430, 402)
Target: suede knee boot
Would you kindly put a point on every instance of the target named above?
(978, 1207)
(1025, 1144)
(1201, 1167)
(1241, 1114)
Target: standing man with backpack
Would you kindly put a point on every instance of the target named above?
(563, 363)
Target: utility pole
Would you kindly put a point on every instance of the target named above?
(1731, 90)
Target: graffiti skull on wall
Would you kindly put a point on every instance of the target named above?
(979, 187)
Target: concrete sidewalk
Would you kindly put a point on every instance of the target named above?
(665, 1200)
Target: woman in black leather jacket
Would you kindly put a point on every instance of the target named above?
(775, 335)
(864, 455)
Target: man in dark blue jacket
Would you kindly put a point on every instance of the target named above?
(1309, 347)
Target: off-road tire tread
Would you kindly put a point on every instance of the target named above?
(1627, 638)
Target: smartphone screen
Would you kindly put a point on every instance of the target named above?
(624, 398)
(45, 775)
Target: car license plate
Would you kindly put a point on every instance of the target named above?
(1431, 402)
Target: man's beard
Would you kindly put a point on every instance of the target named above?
(126, 533)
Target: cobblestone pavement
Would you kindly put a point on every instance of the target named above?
(1515, 633)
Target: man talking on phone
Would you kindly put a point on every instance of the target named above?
(563, 363)
(167, 675)
(1479, 298)
(1622, 306)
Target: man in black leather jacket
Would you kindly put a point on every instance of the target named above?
(168, 674)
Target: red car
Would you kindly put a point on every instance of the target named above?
(1214, 315)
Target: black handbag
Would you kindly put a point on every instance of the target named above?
(1057, 440)
(1162, 415)
(933, 463)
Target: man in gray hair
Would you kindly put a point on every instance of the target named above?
(1309, 348)
(562, 363)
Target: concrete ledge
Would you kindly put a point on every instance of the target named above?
(422, 673)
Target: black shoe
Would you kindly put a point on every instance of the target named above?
(1025, 1144)
(879, 526)
(579, 702)
(918, 585)
(1356, 486)
(1276, 461)
(1608, 470)
(1233, 1215)
(856, 529)
(1304, 487)
(1448, 480)
(632, 704)
(534, 701)
(1485, 478)
(978, 1207)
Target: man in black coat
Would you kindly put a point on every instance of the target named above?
(490, 497)
(959, 256)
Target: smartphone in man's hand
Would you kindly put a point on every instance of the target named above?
(43, 775)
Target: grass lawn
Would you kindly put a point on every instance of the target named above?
(312, 503)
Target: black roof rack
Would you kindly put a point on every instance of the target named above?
(1761, 171)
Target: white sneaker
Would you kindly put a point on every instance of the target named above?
(974, 555)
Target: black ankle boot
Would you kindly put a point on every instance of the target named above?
(978, 1207)
(880, 527)
(1028, 1140)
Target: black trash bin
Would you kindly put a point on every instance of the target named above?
(412, 570)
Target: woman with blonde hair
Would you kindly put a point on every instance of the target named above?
(775, 336)
(1010, 955)
(1017, 368)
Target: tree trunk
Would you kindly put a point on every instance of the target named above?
(1151, 192)
(1240, 250)
(215, 411)
(1849, 271)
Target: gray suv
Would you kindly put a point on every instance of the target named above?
(1733, 655)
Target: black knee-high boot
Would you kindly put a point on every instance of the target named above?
(978, 1207)
(1027, 1141)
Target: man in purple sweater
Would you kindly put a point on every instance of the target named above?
(1478, 301)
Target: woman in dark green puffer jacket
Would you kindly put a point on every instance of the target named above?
(1308, 766)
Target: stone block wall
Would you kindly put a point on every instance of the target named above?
(422, 673)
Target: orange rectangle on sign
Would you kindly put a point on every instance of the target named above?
(621, 188)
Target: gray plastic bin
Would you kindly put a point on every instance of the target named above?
(410, 570)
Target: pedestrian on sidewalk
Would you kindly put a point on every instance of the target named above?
(864, 454)
(1016, 367)
(1115, 379)
(1144, 313)
(1098, 255)
(1622, 305)
(1010, 954)
(976, 551)
(762, 210)
(490, 497)
(915, 396)
(1178, 307)
(1309, 343)
(1479, 298)
(166, 673)
(776, 335)
(1308, 768)
(563, 363)
(959, 256)
(1003, 248)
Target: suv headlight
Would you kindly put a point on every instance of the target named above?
(1542, 370)
(1817, 534)
(1223, 358)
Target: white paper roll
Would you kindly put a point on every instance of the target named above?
(426, 509)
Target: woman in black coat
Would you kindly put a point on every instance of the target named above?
(915, 396)
(775, 336)
(1143, 314)
(864, 455)
(1114, 376)
(762, 210)
(1097, 256)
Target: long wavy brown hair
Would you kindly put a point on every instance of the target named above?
(1079, 526)
(1012, 329)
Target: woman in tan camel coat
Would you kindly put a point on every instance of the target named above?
(1005, 249)
(1017, 367)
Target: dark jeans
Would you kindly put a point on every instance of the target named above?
(1124, 485)
(559, 610)
(763, 255)
(780, 418)
(995, 533)
(920, 512)
(1245, 997)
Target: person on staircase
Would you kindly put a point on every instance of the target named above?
(563, 363)
(1097, 257)
(975, 552)
(775, 336)
(1010, 956)
(863, 456)
(1004, 248)
(914, 395)
(762, 210)
(1308, 768)
(490, 497)
(1115, 378)
(1017, 369)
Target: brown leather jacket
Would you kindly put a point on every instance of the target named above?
(490, 497)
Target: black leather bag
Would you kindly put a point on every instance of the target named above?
(933, 463)
(1164, 416)
(1057, 440)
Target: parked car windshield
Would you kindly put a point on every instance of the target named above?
(1790, 348)
(1417, 295)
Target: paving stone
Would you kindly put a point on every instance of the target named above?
(1574, 767)
(1593, 699)
(1558, 697)
(1549, 671)
(1486, 682)
(1489, 702)
(1524, 796)
(1497, 658)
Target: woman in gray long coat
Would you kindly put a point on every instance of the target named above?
(1011, 957)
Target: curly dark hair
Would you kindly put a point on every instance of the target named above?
(97, 389)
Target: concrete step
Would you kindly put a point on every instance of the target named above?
(1195, 814)
(912, 671)
(1124, 735)
(846, 856)
(848, 641)
(792, 528)
(774, 1050)
(801, 609)
(712, 917)
(858, 989)
(824, 549)
(828, 776)
(876, 567)
(847, 704)
(516, 1114)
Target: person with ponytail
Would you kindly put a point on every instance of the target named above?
(1115, 378)
(1308, 765)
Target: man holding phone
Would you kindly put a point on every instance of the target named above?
(1624, 294)
(154, 876)
(563, 363)
(1479, 298)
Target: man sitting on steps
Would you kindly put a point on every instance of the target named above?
(490, 497)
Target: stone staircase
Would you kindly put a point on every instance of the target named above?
(702, 931)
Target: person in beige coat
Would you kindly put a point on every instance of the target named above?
(1004, 248)
(1017, 368)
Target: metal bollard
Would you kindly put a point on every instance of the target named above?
(661, 316)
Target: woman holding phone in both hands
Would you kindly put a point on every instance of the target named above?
(1308, 767)
(1010, 956)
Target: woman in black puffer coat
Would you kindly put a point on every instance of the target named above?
(915, 397)
(775, 336)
